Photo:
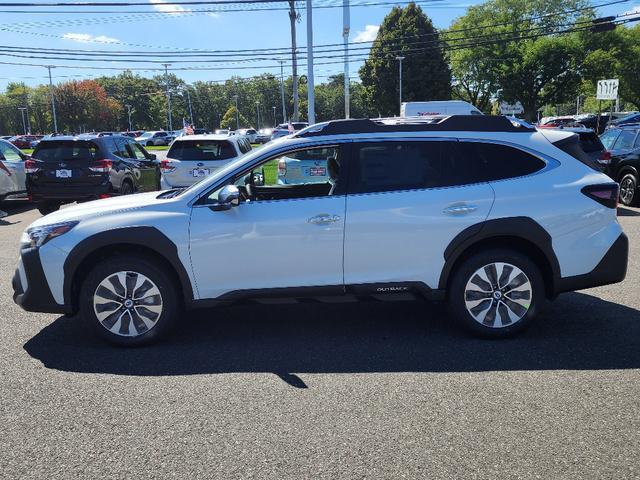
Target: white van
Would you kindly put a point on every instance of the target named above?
(447, 107)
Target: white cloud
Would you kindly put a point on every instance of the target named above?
(369, 34)
(634, 12)
(86, 38)
(160, 5)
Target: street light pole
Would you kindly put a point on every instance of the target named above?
(166, 81)
(284, 111)
(235, 97)
(24, 124)
(311, 109)
(190, 110)
(400, 79)
(274, 117)
(53, 101)
(129, 113)
(258, 114)
(346, 26)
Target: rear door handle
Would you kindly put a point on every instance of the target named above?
(460, 209)
(323, 219)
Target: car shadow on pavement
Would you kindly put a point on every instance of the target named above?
(579, 332)
(627, 212)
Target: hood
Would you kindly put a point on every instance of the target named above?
(98, 208)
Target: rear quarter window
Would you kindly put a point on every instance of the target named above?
(485, 162)
(572, 146)
(590, 142)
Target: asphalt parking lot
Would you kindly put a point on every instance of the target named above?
(370, 390)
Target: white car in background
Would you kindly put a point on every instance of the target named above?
(12, 176)
(152, 139)
(250, 133)
(193, 157)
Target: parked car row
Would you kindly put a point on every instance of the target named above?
(598, 123)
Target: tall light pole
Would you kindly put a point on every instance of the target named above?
(190, 109)
(293, 18)
(258, 115)
(166, 81)
(53, 101)
(129, 113)
(311, 109)
(24, 124)
(400, 78)
(275, 123)
(235, 97)
(284, 111)
(346, 26)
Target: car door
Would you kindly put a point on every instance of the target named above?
(147, 168)
(404, 207)
(267, 244)
(13, 159)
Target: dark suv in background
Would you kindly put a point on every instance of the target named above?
(67, 169)
(623, 144)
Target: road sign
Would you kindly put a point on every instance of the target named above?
(607, 89)
(511, 108)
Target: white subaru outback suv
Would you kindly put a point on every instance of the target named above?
(492, 215)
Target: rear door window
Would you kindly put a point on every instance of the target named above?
(625, 140)
(67, 150)
(202, 150)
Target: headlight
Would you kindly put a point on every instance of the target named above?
(37, 236)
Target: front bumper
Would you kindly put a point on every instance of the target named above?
(611, 269)
(30, 288)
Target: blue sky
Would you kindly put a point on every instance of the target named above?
(184, 29)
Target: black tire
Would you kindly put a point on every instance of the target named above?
(149, 144)
(628, 189)
(465, 287)
(127, 334)
(126, 188)
(46, 208)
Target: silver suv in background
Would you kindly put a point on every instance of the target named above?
(152, 139)
(193, 157)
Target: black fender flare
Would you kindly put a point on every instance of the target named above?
(626, 167)
(524, 228)
(148, 237)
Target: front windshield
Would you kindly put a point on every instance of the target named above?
(230, 167)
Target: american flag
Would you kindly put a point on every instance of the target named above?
(188, 129)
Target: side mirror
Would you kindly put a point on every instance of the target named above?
(228, 197)
(152, 156)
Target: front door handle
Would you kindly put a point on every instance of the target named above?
(460, 209)
(323, 219)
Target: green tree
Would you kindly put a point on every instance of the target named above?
(229, 119)
(406, 32)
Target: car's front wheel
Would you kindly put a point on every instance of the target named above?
(45, 208)
(129, 300)
(496, 293)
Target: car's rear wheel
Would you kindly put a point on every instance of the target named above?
(496, 293)
(129, 300)
(126, 188)
(628, 189)
(46, 208)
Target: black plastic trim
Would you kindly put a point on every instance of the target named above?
(521, 227)
(611, 269)
(148, 237)
(37, 297)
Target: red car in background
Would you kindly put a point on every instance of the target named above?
(24, 141)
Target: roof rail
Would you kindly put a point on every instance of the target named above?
(437, 123)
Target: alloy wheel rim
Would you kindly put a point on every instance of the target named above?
(498, 295)
(127, 303)
(626, 190)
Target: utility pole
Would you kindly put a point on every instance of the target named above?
(346, 26)
(166, 81)
(53, 101)
(293, 17)
(129, 113)
(190, 109)
(400, 79)
(284, 110)
(311, 109)
(258, 115)
(275, 123)
(235, 97)
(24, 124)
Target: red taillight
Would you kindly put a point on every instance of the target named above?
(605, 194)
(605, 158)
(104, 195)
(167, 166)
(101, 166)
(3, 167)
(31, 166)
(282, 167)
